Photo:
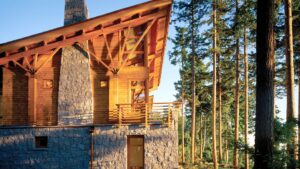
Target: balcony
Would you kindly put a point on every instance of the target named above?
(146, 113)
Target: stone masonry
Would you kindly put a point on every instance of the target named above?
(75, 11)
(69, 148)
(75, 100)
(160, 144)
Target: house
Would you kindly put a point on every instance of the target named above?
(79, 96)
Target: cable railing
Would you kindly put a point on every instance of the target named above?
(147, 113)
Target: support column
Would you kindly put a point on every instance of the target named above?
(32, 100)
(114, 97)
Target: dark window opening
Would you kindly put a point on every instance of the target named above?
(41, 142)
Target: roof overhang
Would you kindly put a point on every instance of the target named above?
(51, 40)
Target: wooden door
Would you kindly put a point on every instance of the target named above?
(135, 152)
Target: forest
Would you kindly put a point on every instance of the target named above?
(236, 59)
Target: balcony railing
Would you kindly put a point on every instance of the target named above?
(147, 113)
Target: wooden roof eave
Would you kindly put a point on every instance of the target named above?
(165, 43)
(80, 38)
(93, 22)
(158, 73)
(164, 11)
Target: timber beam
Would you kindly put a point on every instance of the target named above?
(63, 42)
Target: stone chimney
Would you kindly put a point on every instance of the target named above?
(75, 100)
(75, 11)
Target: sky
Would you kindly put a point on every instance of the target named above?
(21, 18)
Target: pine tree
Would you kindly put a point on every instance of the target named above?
(290, 112)
(237, 95)
(246, 99)
(264, 87)
(214, 147)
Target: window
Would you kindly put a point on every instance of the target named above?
(47, 84)
(41, 142)
(103, 83)
(137, 91)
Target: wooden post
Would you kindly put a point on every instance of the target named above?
(146, 115)
(113, 96)
(146, 64)
(32, 99)
(120, 115)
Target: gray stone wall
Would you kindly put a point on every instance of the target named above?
(75, 100)
(69, 148)
(160, 144)
(75, 11)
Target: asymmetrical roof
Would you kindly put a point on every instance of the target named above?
(155, 14)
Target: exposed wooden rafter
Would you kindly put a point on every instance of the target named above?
(33, 69)
(37, 69)
(132, 24)
(138, 43)
(98, 58)
(108, 50)
(63, 42)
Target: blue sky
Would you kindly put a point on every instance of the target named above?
(21, 18)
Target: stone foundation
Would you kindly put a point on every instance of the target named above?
(69, 148)
(160, 145)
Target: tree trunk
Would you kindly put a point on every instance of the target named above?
(264, 137)
(204, 135)
(219, 97)
(220, 114)
(274, 86)
(237, 100)
(214, 147)
(193, 89)
(290, 108)
(226, 149)
(298, 114)
(201, 137)
(182, 122)
(274, 81)
(246, 98)
(219, 86)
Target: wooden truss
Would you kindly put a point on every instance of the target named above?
(32, 66)
(21, 52)
(81, 36)
(113, 67)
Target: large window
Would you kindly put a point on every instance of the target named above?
(137, 89)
